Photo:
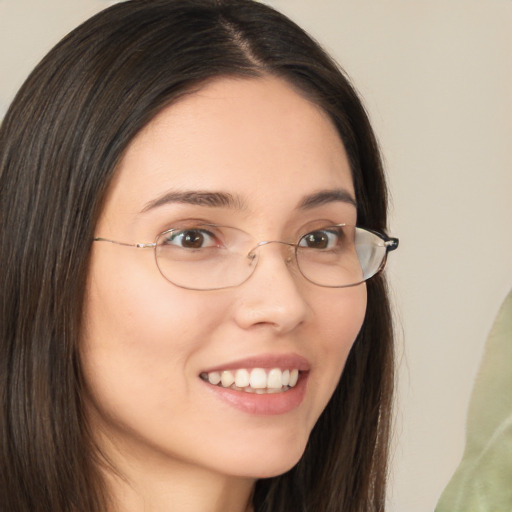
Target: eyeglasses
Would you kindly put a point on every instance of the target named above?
(211, 257)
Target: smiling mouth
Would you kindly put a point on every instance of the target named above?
(257, 380)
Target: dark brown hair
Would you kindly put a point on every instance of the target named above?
(60, 143)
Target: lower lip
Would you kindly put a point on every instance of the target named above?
(266, 403)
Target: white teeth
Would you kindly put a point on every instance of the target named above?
(214, 378)
(274, 379)
(242, 379)
(227, 379)
(257, 380)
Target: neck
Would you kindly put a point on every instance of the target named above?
(178, 486)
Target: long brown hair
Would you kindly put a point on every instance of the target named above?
(60, 143)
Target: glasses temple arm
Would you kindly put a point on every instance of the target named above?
(391, 244)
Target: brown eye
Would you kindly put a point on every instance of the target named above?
(315, 240)
(321, 239)
(191, 239)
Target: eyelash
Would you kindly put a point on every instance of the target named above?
(183, 232)
(197, 235)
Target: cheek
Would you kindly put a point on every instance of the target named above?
(128, 301)
(140, 334)
(340, 316)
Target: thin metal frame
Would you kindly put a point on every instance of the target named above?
(390, 244)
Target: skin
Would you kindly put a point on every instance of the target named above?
(146, 341)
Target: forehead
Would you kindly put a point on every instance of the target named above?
(258, 139)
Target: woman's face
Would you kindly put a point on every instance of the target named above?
(150, 346)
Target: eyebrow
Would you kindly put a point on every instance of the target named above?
(198, 198)
(234, 202)
(327, 196)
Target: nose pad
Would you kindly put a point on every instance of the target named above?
(254, 254)
(290, 248)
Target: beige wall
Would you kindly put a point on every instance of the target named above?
(436, 76)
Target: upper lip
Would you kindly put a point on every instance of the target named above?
(265, 361)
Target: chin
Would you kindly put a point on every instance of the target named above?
(274, 470)
(269, 461)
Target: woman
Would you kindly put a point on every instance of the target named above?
(181, 329)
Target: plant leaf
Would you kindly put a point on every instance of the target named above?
(483, 479)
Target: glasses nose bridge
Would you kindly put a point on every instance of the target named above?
(289, 245)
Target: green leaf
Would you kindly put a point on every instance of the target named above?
(483, 479)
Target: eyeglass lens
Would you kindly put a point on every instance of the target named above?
(210, 257)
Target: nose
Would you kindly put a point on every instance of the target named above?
(271, 296)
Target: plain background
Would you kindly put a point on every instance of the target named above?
(436, 77)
